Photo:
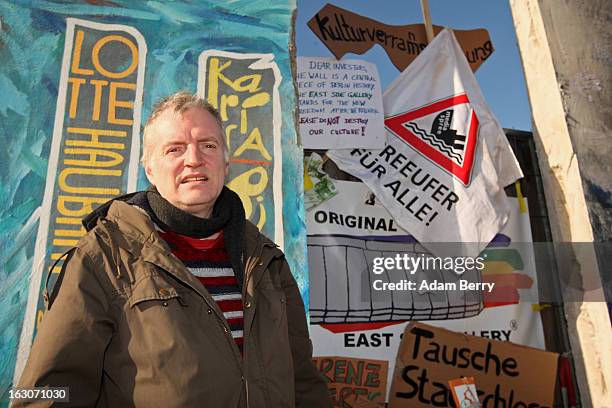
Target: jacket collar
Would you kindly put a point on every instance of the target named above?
(136, 234)
(228, 205)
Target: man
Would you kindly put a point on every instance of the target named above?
(173, 299)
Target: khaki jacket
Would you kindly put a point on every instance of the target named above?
(131, 326)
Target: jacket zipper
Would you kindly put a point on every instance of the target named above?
(249, 269)
(246, 385)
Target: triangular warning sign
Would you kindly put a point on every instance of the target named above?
(445, 132)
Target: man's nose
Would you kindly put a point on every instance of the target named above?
(193, 156)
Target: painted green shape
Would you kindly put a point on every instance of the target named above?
(508, 255)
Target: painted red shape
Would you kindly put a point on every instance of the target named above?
(395, 124)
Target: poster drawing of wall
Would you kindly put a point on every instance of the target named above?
(345, 234)
(348, 296)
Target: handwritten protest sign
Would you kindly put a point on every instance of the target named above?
(506, 375)
(352, 378)
(340, 104)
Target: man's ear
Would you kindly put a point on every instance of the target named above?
(149, 174)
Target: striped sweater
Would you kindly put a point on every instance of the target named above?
(208, 260)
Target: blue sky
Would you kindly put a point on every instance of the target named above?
(500, 77)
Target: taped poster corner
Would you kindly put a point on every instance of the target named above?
(318, 185)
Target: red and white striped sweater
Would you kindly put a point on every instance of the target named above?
(207, 259)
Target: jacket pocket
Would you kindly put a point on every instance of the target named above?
(272, 303)
(271, 299)
(151, 286)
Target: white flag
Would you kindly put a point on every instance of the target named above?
(446, 159)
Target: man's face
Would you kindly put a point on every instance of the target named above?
(186, 161)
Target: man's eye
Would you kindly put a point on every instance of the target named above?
(174, 149)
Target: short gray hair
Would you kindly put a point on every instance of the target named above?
(179, 103)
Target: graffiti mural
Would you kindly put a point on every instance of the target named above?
(77, 81)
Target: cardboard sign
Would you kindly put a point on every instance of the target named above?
(343, 31)
(340, 104)
(506, 375)
(351, 378)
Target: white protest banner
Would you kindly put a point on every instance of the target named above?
(340, 104)
(446, 160)
(355, 213)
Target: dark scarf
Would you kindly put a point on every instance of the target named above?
(227, 216)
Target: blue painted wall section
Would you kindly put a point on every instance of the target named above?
(32, 35)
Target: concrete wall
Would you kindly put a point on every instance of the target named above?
(579, 35)
(565, 51)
